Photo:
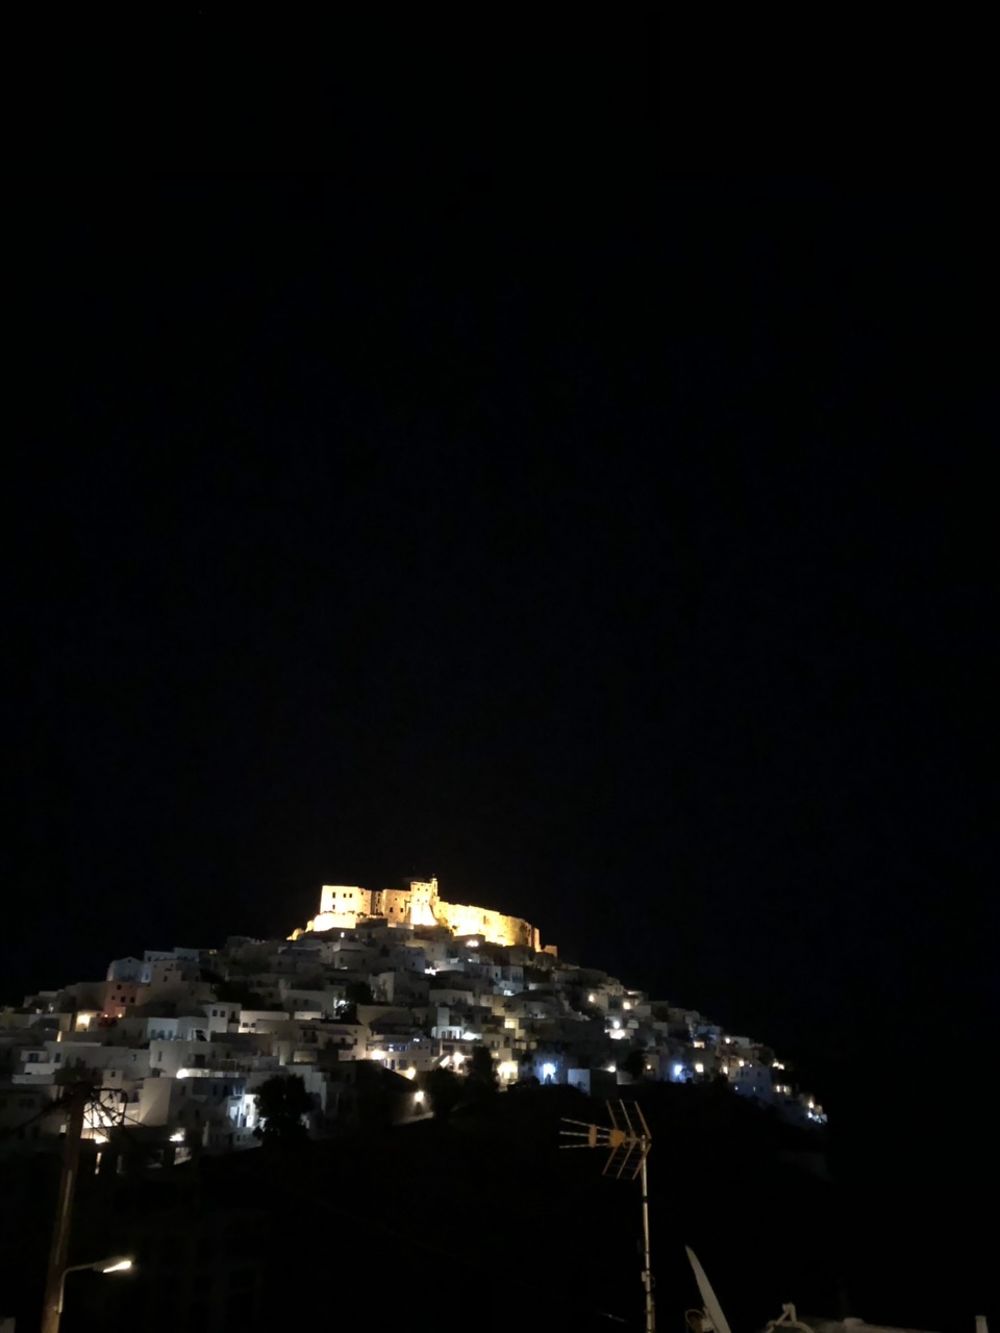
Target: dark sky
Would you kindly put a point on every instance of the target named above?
(615, 545)
(621, 558)
(415, 475)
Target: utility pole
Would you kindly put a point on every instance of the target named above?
(628, 1143)
(77, 1099)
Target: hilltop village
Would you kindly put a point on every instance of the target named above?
(377, 991)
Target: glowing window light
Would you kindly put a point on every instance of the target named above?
(699, 1068)
(741, 1063)
(548, 1069)
(627, 1004)
(419, 1097)
(615, 1023)
(177, 1136)
(678, 1071)
(458, 1059)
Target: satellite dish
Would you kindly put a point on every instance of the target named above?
(712, 1307)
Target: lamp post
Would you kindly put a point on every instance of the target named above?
(77, 1098)
(118, 1263)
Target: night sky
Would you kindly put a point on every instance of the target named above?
(616, 546)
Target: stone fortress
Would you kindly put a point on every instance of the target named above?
(343, 907)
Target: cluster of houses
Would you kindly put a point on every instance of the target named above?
(178, 1042)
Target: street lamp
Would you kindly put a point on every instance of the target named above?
(118, 1263)
(113, 1265)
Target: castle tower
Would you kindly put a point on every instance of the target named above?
(423, 902)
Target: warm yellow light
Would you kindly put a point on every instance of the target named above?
(458, 1059)
(99, 1138)
(117, 1266)
(627, 1005)
(699, 1068)
(377, 1055)
(177, 1137)
(777, 1065)
(741, 1063)
(409, 1073)
(418, 1097)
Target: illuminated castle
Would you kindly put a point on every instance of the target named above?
(343, 906)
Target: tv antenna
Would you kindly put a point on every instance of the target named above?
(628, 1142)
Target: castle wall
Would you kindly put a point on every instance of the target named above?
(393, 904)
(344, 898)
(495, 926)
(333, 921)
(343, 905)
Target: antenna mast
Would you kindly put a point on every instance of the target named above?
(628, 1142)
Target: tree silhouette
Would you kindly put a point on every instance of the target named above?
(282, 1103)
(634, 1064)
(444, 1089)
(482, 1070)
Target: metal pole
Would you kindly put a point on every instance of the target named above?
(52, 1304)
(647, 1275)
